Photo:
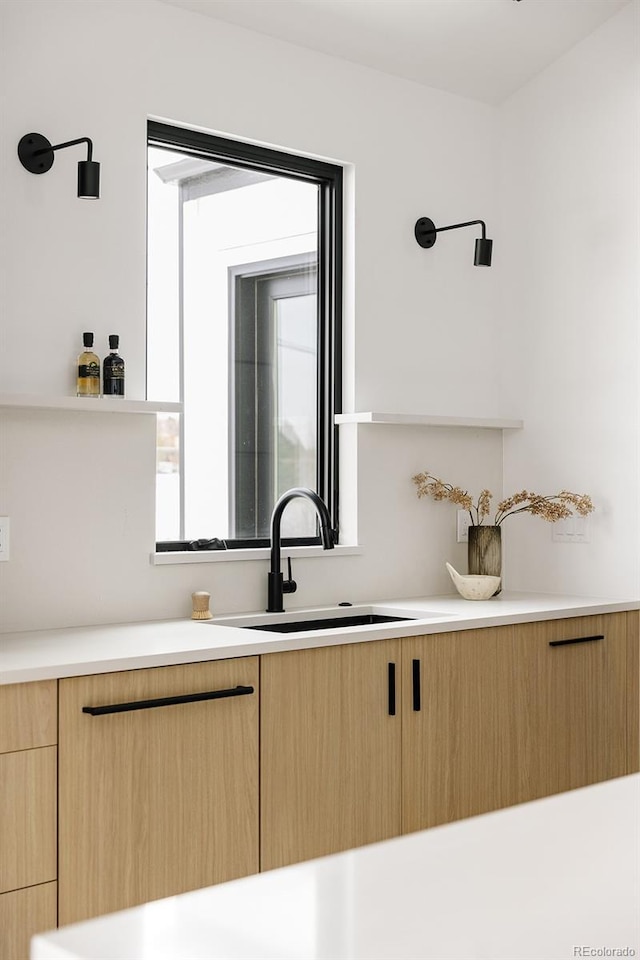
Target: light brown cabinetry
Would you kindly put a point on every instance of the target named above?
(454, 716)
(485, 718)
(633, 691)
(156, 797)
(514, 713)
(28, 715)
(359, 742)
(28, 735)
(568, 689)
(27, 817)
(23, 913)
(330, 760)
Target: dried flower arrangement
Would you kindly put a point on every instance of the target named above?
(559, 506)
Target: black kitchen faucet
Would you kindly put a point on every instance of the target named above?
(277, 585)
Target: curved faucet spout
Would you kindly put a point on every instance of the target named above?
(276, 585)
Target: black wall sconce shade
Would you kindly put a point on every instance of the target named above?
(36, 155)
(426, 233)
(88, 180)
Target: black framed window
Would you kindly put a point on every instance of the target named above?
(244, 327)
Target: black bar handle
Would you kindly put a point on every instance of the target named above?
(564, 643)
(416, 685)
(392, 689)
(168, 701)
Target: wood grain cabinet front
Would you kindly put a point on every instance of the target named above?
(569, 689)
(483, 719)
(330, 750)
(23, 913)
(513, 713)
(28, 715)
(158, 776)
(28, 791)
(454, 715)
(27, 818)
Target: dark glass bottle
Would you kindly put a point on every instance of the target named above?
(113, 371)
(88, 379)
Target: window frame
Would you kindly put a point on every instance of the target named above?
(251, 286)
(329, 178)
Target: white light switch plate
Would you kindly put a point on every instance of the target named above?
(4, 538)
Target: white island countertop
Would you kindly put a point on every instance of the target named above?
(549, 880)
(77, 651)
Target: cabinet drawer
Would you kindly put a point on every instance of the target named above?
(27, 818)
(24, 913)
(576, 632)
(28, 715)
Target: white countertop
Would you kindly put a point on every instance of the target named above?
(532, 882)
(76, 651)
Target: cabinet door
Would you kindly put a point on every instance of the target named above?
(156, 800)
(330, 750)
(23, 913)
(569, 704)
(453, 719)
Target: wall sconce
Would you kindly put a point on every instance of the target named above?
(426, 230)
(36, 156)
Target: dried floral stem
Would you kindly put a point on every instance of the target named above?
(550, 507)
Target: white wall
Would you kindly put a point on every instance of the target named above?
(570, 158)
(79, 489)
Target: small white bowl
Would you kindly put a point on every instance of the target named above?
(473, 587)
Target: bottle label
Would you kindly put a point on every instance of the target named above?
(89, 370)
(115, 371)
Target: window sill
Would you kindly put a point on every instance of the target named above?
(261, 553)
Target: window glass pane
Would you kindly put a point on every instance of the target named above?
(238, 351)
(295, 423)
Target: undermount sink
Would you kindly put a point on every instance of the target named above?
(325, 623)
(301, 621)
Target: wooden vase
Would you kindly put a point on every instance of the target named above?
(485, 552)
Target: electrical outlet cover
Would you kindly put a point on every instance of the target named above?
(463, 522)
(4, 538)
(572, 530)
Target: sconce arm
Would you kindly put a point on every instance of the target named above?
(469, 223)
(68, 143)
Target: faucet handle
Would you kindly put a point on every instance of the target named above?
(289, 585)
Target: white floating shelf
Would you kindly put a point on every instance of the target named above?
(87, 404)
(429, 420)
